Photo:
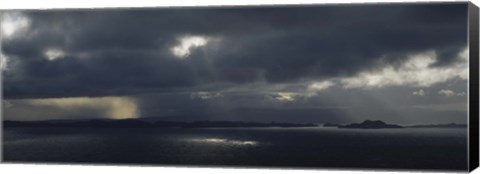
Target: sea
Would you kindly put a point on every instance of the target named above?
(312, 147)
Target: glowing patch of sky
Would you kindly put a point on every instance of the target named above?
(186, 44)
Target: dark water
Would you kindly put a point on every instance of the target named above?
(409, 148)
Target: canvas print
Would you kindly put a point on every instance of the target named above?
(376, 86)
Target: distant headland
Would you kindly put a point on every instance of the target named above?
(136, 123)
(368, 124)
(378, 124)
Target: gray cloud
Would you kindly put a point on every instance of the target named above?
(301, 64)
(118, 52)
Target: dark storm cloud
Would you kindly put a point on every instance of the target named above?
(128, 51)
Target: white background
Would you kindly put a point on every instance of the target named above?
(94, 169)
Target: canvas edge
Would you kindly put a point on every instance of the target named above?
(473, 113)
(473, 86)
(270, 5)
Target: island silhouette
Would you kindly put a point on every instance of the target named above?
(378, 124)
(369, 124)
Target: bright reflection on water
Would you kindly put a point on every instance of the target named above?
(408, 148)
(222, 141)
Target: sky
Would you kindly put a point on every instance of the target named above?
(400, 63)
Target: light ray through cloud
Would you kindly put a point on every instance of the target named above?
(109, 107)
